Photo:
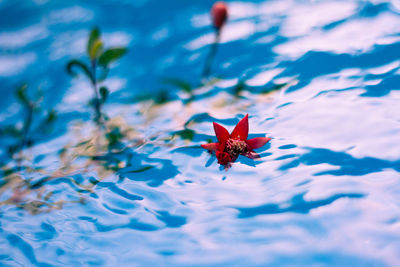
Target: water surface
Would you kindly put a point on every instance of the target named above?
(321, 78)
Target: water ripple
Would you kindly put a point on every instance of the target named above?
(25, 248)
(348, 165)
(297, 204)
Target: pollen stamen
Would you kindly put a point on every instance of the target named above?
(235, 146)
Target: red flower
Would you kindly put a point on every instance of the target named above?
(230, 146)
(219, 13)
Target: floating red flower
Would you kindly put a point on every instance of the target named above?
(230, 146)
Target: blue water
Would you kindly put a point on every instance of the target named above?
(321, 78)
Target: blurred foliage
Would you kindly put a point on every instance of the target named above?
(18, 164)
(105, 153)
(180, 84)
(24, 180)
(30, 194)
(37, 123)
(186, 134)
(99, 58)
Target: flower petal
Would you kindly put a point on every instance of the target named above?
(252, 155)
(241, 130)
(223, 158)
(221, 133)
(257, 142)
(210, 146)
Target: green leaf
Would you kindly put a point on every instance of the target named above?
(239, 87)
(51, 116)
(7, 172)
(104, 94)
(29, 142)
(186, 134)
(114, 136)
(22, 95)
(93, 180)
(161, 97)
(96, 49)
(13, 149)
(93, 37)
(85, 69)
(10, 130)
(111, 55)
(181, 84)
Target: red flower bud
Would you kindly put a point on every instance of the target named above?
(219, 13)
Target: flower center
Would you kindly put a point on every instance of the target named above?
(235, 146)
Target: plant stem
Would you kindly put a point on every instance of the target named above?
(27, 125)
(25, 131)
(211, 55)
(96, 94)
